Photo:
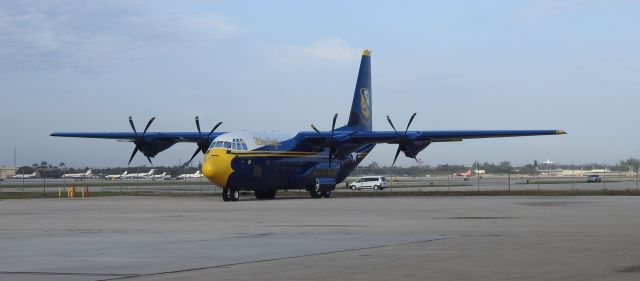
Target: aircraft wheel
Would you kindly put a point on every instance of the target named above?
(326, 193)
(225, 194)
(314, 191)
(234, 194)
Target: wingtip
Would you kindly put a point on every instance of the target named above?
(561, 132)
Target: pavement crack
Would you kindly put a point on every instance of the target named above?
(279, 259)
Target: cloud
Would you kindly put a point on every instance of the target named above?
(331, 49)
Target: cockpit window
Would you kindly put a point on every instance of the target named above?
(234, 144)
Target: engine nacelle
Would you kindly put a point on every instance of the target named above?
(152, 148)
(412, 148)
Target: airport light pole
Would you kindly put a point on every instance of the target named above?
(477, 176)
(448, 180)
(509, 179)
(604, 173)
(573, 177)
(44, 182)
(636, 178)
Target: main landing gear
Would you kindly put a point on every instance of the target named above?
(317, 192)
(230, 194)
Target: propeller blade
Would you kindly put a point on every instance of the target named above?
(214, 128)
(148, 124)
(396, 158)
(194, 154)
(315, 129)
(198, 125)
(409, 124)
(135, 150)
(333, 125)
(391, 123)
(132, 126)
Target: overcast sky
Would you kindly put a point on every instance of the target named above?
(282, 65)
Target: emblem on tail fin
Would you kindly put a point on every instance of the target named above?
(365, 103)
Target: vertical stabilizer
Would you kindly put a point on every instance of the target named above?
(360, 116)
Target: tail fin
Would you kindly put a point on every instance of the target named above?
(360, 116)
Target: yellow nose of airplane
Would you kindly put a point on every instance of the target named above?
(217, 166)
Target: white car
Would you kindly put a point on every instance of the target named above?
(375, 182)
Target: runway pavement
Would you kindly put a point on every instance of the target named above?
(387, 238)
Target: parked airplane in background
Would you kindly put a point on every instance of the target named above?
(115, 177)
(25, 176)
(195, 175)
(466, 174)
(148, 174)
(160, 176)
(84, 175)
(265, 162)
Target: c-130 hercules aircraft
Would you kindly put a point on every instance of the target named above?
(264, 162)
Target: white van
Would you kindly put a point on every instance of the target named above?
(375, 182)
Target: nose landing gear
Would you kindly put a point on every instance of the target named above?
(230, 194)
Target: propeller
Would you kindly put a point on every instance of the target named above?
(331, 142)
(203, 142)
(139, 140)
(403, 137)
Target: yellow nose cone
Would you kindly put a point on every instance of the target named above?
(217, 166)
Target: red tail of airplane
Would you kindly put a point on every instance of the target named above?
(466, 174)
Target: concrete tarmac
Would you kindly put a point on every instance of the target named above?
(381, 238)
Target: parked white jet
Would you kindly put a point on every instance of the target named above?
(140, 175)
(196, 175)
(85, 175)
(25, 176)
(115, 177)
(160, 176)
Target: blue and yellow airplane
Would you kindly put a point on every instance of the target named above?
(265, 162)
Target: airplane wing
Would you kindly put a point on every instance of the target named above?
(445, 136)
(149, 136)
(151, 143)
(366, 137)
(409, 142)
